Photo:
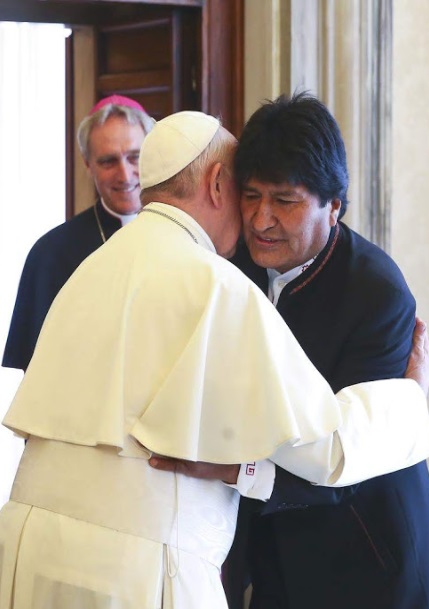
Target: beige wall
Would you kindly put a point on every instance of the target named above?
(262, 61)
(410, 204)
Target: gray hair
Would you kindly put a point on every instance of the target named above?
(132, 116)
(184, 184)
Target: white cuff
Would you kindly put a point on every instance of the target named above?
(256, 480)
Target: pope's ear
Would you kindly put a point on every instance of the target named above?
(214, 184)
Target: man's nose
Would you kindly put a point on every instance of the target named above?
(126, 170)
(263, 217)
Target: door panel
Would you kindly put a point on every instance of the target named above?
(154, 61)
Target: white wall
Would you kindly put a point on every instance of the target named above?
(410, 204)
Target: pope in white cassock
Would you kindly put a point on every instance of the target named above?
(158, 344)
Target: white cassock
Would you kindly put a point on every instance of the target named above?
(158, 344)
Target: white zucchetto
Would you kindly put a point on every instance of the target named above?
(174, 142)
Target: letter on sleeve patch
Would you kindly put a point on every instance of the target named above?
(250, 469)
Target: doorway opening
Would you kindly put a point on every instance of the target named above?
(32, 176)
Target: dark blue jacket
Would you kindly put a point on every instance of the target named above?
(361, 547)
(50, 262)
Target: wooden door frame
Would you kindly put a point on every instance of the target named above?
(229, 98)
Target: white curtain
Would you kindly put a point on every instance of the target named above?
(32, 176)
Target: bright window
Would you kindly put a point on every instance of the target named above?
(32, 176)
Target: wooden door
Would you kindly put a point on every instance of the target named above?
(155, 59)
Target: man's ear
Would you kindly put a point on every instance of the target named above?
(88, 170)
(214, 184)
(335, 210)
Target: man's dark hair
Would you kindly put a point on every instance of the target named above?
(295, 140)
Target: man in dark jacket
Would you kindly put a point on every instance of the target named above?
(361, 547)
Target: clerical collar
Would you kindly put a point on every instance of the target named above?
(277, 281)
(123, 218)
(183, 220)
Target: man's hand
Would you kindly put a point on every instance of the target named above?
(418, 363)
(199, 469)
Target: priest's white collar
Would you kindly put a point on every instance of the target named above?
(123, 218)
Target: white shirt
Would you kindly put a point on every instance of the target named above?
(277, 281)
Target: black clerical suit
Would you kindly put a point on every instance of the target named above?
(50, 262)
(365, 546)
